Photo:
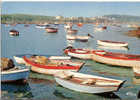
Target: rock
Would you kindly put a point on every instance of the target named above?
(6, 63)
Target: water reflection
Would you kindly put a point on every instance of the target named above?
(61, 95)
(65, 93)
(136, 80)
(139, 94)
(14, 90)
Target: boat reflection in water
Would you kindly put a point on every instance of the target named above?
(64, 93)
(136, 80)
(139, 95)
(17, 90)
(112, 48)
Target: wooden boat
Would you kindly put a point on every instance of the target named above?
(79, 53)
(70, 31)
(53, 66)
(77, 37)
(15, 74)
(51, 30)
(136, 70)
(14, 32)
(118, 59)
(19, 59)
(87, 83)
(112, 43)
(112, 48)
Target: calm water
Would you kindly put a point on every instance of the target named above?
(43, 87)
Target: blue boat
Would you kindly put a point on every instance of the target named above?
(15, 74)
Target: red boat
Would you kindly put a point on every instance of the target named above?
(52, 30)
(118, 59)
(53, 66)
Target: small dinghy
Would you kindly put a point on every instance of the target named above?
(19, 58)
(78, 37)
(14, 32)
(15, 74)
(79, 53)
(118, 59)
(112, 43)
(43, 65)
(51, 30)
(71, 31)
(87, 83)
(12, 73)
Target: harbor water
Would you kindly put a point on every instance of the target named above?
(32, 40)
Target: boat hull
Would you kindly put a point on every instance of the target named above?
(98, 87)
(112, 44)
(116, 62)
(85, 89)
(49, 71)
(10, 76)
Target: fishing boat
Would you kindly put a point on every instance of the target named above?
(71, 31)
(118, 59)
(51, 30)
(78, 37)
(136, 70)
(52, 66)
(14, 32)
(19, 58)
(112, 48)
(112, 43)
(79, 53)
(15, 74)
(87, 83)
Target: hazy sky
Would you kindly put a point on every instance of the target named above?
(85, 9)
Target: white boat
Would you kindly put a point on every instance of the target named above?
(79, 53)
(112, 48)
(77, 37)
(136, 70)
(15, 74)
(112, 43)
(52, 66)
(20, 60)
(117, 59)
(87, 83)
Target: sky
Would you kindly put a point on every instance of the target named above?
(69, 9)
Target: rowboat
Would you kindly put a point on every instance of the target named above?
(51, 30)
(15, 74)
(112, 48)
(112, 43)
(79, 53)
(19, 58)
(87, 83)
(118, 59)
(77, 37)
(14, 32)
(70, 31)
(53, 66)
(136, 70)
